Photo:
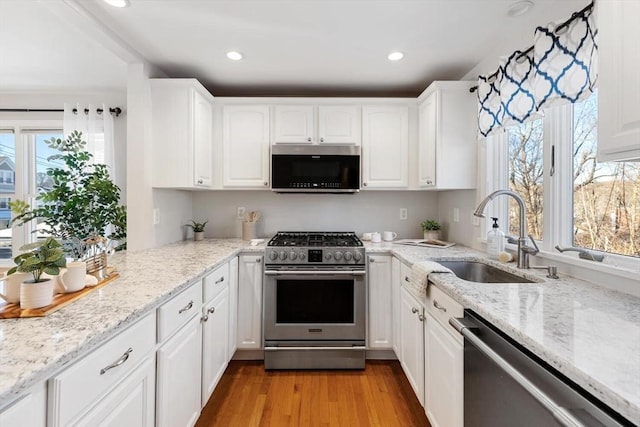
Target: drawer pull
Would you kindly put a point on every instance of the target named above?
(438, 306)
(421, 317)
(205, 317)
(220, 280)
(186, 307)
(211, 310)
(406, 279)
(118, 362)
(414, 310)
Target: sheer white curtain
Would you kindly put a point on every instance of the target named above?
(97, 131)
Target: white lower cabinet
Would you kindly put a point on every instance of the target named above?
(233, 306)
(380, 325)
(215, 340)
(412, 341)
(178, 401)
(395, 304)
(29, 410)
(131, 403)
(250, 273)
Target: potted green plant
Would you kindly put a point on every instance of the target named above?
(198, 229)
(45, 256)
(431, 229)
(81, 203)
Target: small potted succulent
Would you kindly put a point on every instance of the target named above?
(198, 229)
(431, 229)
(45, 256)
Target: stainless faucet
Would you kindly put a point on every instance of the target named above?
(582, 253)
(523, 250)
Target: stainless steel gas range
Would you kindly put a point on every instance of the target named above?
(314, 307)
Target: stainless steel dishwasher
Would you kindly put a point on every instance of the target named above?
(505, 385)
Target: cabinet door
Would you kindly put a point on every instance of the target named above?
(385, 146)
(179, 377)
(202, 141)
(215, 339)
(618, 80)
(427, 132)
(395, 304)
(412, 342)
(233, 306)
(131, 403)
(30, 410)
(380, 322)
(250, 302)
(294, 124)
(339, 124)
(444, 370)
(245, 146)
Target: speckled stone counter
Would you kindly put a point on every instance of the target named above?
(589, 333)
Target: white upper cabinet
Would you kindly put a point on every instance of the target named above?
(447, 141)
(182, 133)
(335, 124)
(385, 146)
(245, 146)
(618, 80)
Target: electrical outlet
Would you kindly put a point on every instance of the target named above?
(475, 221)
(240, 212)
(403, 214)
(156, 216)
(456, 215)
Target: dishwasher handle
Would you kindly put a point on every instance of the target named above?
(465, 327)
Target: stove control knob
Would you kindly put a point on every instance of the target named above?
(328, 256)
(357, 256)
(348, 256)
(293, 255)
(283, 255)
(302, 255)
(338, 256)
(273, 256)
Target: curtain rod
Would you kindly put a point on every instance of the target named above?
(117, 110)
(564, 25)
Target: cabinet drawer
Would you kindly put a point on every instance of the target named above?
(214, 282)
(177, 312)
(442, 307)
(83, 384)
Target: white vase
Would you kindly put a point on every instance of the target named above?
(198, 235)
(36, 295)
(432, 235)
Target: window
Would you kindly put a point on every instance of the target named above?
(606, 196)
(7, 189)
(526, 175)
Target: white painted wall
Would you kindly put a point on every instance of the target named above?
(362, 212)
(462, 232)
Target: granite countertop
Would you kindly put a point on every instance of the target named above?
(589, 333)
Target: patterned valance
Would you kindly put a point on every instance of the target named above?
(560, 67)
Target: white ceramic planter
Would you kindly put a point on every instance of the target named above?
(36, 295)
(432, 235)
(198, 235)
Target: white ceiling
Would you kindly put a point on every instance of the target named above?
(291, 47)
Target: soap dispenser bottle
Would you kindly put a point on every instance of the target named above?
(495, 240)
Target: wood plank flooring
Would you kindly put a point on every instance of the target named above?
(247, 395)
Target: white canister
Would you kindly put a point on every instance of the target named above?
(36, 295)
(73, 278)
(388, 236)
(375, 237)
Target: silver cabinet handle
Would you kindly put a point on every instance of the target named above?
(186, 307)
(211, 310)
(266, 183)
(406, 279)
(118, 362)
(220, 280)
(437, 305)
(559, 413)
(205, 317)
(321, 139)
(364, 183)
(414, 310)
(421, 317)
(309, 139)
(200, 181)
(372, 260)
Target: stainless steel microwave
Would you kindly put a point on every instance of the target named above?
(315, 168)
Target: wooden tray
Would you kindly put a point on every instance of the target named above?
(13, 311)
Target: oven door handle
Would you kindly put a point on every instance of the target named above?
(355, 347)
(466, 328)
(314, 273)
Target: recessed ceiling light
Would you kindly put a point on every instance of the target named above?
(235, 56)
(117, 3)
(519, 8)
(395, 56)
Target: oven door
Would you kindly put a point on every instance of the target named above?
(314, 304)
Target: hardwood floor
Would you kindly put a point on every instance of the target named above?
(247, 395)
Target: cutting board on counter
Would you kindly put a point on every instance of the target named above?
(425, 243)
(13, 311)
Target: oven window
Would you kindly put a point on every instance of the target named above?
(305, 301)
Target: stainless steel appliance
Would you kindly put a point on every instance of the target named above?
(506, 385)
(315, 168)
(314, 307)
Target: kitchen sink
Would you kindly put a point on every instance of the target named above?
(474, 271)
